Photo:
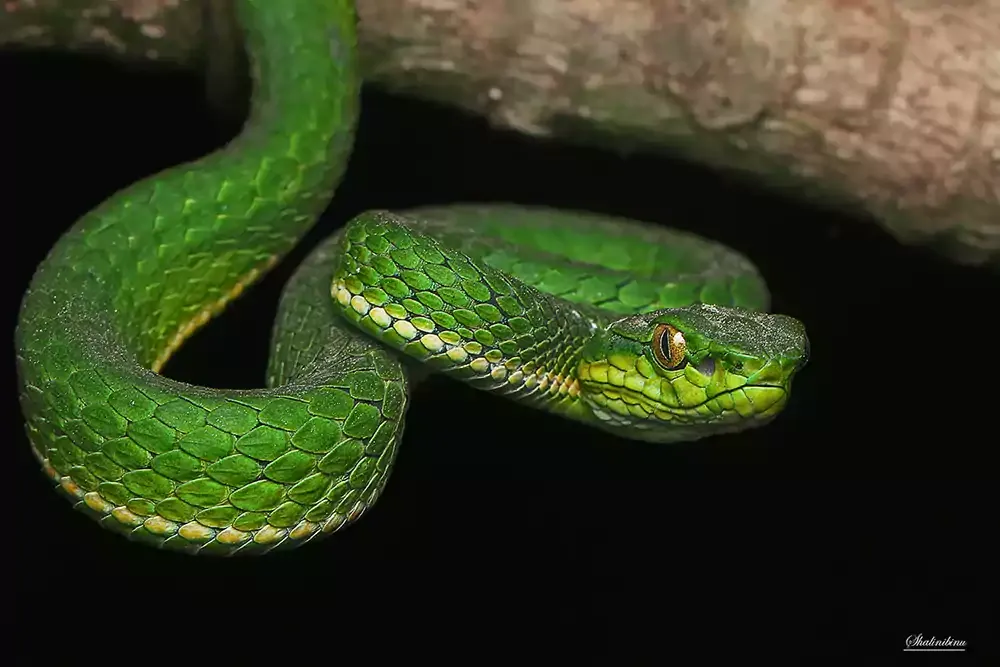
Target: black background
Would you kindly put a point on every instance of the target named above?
(861, 516)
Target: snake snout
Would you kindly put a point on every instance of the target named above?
(786, 339)
(805, 353)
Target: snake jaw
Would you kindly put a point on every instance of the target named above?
(638, 416)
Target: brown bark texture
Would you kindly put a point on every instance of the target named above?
(892, 106)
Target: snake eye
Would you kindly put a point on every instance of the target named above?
(669, 347)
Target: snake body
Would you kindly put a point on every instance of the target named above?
(647, 333)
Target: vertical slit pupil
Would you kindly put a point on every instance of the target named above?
(670, 356)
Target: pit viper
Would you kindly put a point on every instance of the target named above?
(647, 333)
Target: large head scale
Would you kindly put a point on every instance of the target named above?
(686, 373)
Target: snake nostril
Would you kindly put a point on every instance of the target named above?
(805, 354)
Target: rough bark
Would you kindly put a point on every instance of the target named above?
(893, 105)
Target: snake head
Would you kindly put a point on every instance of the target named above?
(686, 373)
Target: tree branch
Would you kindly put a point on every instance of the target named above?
(893, 105)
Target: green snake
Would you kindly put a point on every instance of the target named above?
(647, 333)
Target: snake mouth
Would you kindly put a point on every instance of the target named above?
(759, 392)
(628, 407)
